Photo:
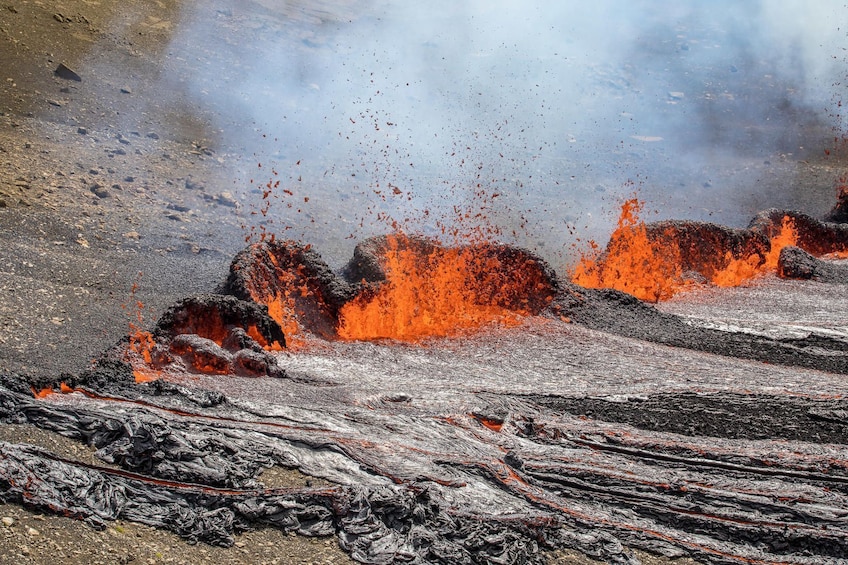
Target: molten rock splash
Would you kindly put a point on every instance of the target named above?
(420, 289)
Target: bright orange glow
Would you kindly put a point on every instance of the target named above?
(738, 270)
(257, 336)
(787, 236)
(45, 392)
(632, 262)
(742, 269)
(280, 292)
(427, 293)
(282, 309)
(145, 375)
(142, 343)
(650, 268)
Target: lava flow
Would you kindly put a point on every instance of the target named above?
(655, 261)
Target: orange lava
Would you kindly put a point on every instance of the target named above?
(45, 392)
(740, 270)
(787, 236)
(140, 347)
(145, 375)
(282, 309)
(142, 343)
(632, 263)
(652, 270)
(432, 293)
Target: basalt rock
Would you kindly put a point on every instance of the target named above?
(223, 319)
(795, 263)
(213, 334)
(839, 213)
(292, 280)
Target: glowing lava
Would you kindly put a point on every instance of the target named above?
(649, 262)
(632, 262)
(430, 291)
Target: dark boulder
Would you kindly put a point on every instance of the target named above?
(221, 318)
(795, 263)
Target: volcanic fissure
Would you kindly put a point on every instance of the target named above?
(468, 403)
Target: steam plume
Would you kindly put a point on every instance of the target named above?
(540, 114)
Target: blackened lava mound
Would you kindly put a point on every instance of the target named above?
(705, 248)
(839, 213)
(216, 317)
(795, 263)
(207, 334)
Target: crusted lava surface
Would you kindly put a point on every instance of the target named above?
(795, 263)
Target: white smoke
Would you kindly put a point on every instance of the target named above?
(560, 108)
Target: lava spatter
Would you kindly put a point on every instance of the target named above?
(433, 291)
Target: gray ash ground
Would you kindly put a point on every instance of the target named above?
(88, 201)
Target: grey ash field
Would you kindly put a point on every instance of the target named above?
(93, 205)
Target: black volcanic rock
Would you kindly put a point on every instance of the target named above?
(839, 213)
(216, 317)
(795, 263)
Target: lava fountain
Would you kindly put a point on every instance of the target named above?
(430, 291)
(654, 261)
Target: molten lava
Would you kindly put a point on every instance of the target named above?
(294, 283)
(429, 291)
(648, 261)
(632, 262)
(141, 344)
(47, 391)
